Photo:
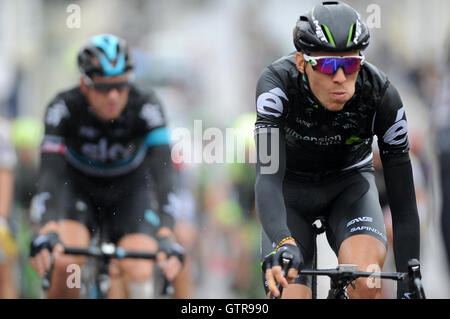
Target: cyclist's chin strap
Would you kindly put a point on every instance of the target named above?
(141, 289)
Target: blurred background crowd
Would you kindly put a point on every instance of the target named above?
(203, 58)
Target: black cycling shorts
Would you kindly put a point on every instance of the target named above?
(349, 203)
(117, 206)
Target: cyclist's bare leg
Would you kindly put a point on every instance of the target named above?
(186, 234)
(364, 251)
(75, 234)
(183, 283)
(117, 289)
(137, 273)
(295, 291)
(7, 285)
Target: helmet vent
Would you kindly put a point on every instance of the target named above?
(303, 18)
(328, 34)
(329, 3)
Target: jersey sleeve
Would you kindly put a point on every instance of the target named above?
(269, 199)
(158, 159)
(271, 107)
(152, 113)
(390, 126)
(52, 170)
(391, 129)
(271, 100)
(153, 122)
(57, 119)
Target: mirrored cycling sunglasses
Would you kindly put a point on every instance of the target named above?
(106, 87)
(330, 64)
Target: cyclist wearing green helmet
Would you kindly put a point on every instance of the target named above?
(320, 108)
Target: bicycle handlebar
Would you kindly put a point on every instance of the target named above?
(343, 275)
(342, 272)
(109, 252)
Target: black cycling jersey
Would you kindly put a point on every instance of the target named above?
(129, 150)
(316, 144)
(320, 141)
(99, 148)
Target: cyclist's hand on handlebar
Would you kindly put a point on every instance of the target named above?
(40, 249)
(170, 257)
(273, 267)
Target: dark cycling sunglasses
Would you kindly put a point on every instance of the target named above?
(106, 87)
(330, 64)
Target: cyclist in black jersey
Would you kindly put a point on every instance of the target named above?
(105, 143)
(318, 111)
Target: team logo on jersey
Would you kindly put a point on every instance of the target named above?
(56, 113)
(102, 152)
(305, 123)
(37, 207)
(53, 144)
(398, 133)
(270, 103)
(173, 204)
(321, 141)
(152, 114)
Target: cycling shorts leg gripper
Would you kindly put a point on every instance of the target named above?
(356, 211)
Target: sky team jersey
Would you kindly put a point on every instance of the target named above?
(321, 141)
(98, 148)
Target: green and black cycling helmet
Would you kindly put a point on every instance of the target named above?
(331, 26)
(105, 55)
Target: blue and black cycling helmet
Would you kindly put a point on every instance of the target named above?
(105, 55)
(331, 26)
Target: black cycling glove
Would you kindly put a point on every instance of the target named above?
(171, 248)
(41, 242)
(287, 251)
